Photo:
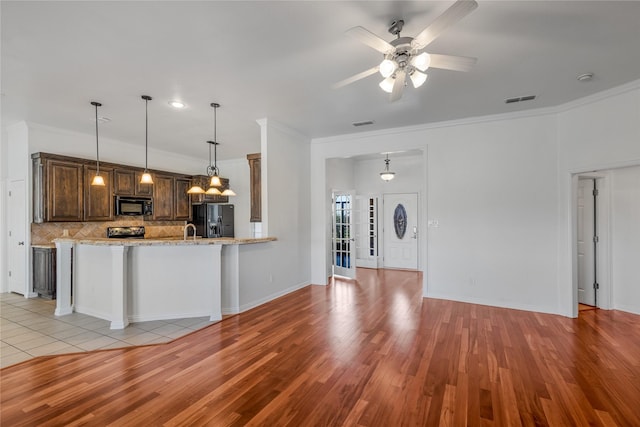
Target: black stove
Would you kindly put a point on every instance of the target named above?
(135, 232)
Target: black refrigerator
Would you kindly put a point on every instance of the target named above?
(213, 220)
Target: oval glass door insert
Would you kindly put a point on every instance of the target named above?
(400, 221)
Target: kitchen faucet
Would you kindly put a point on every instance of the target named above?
(186, 228)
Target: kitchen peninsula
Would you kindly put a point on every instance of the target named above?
(123, 280)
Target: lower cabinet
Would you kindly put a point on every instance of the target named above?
(44, 272)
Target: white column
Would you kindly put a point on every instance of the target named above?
(230, 279)
(63, 278)
(119, 317)
(215, 275)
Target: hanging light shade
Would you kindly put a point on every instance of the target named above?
(146, 176)
(387, 175)
(215, 183)
(97, 180)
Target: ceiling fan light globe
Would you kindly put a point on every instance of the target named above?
(387, 67)
(387, 84)
(422, 61)
(418, 78)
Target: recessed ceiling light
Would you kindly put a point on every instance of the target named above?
(176, 104)
(585, 77)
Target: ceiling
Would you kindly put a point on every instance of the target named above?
(278, 59)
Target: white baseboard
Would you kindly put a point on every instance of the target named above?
(252, 304)
(493, 303)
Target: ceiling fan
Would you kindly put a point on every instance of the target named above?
(404, 56)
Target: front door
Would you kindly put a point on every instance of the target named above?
(16, 220)
(400, 232)
(585, 233)
(343, 239)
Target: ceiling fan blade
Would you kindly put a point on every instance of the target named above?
(370, 39)
(398, 86)
(355, 78)
(450, 62)
(455, 13)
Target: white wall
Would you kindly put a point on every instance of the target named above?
(595, 133)
(625, 230)
(281, 266)
(501, 189)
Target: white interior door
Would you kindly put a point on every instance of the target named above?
(17, 247)
(400, 233)
(343, 237)
(585, 232)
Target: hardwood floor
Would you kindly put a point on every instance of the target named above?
(370, 352)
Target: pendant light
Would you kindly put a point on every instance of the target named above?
(97, 180)
(146, 176)
(213, 171)
(387, 175)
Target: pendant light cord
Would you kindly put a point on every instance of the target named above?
(146, 134)
(97, 147)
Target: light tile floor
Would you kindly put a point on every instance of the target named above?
(28, 328)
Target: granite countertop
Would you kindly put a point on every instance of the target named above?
(165, 241)
(43, 245)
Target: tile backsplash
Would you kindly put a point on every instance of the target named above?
(45, 232)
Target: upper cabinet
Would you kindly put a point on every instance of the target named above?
(98, 200)
(127, 183)
(255, 180)
(163, 196)
(57, 190)
(62, 190)
(182, 207)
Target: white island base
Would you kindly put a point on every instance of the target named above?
(138, 281)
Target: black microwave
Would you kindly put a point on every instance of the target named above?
(134, 206)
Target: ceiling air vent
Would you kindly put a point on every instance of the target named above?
(365, 123)
(519, 99)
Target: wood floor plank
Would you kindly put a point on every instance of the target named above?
(367, 352)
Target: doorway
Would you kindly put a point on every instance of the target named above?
(16, 238)
(342, 237)
(400, 232)
(587, 242)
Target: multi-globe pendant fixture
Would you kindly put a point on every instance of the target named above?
(387, 175)
(97, 180)
(215, 183)
(146, 176)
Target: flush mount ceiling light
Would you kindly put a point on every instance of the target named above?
(387, 175)
(177, 104)
(215, 183)
(404, 56)
(97, 180)
(146, 176)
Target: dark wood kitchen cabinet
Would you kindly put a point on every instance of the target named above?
(182, 207)
(127, 183)
(124, 181)
(98, 200)
(163, 196)
(57, 189)
(44, 272)
(255, 180)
